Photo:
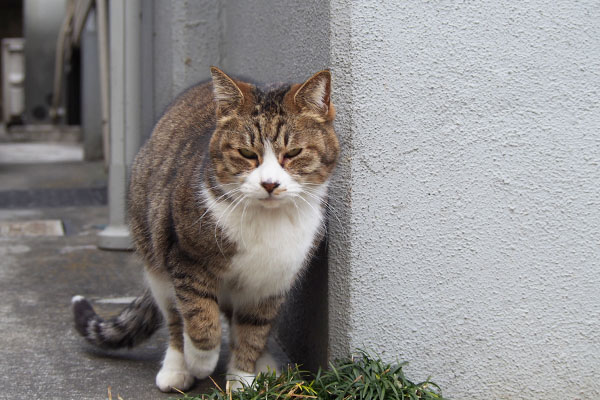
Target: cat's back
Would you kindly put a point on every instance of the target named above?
(188, 118)
(167, 162)
(182, 133)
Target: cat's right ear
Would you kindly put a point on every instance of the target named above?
(228, 95)
(314, 96)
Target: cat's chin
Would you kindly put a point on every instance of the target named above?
(271, 202)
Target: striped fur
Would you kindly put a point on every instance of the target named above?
(134, 324)
(226, 204)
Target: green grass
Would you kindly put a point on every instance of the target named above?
(364, 377)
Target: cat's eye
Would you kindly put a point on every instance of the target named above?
(248, 154)
(293, 153)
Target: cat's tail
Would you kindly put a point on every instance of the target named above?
(134, 324)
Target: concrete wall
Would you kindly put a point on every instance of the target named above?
(473, 147)
(259, 40)
(186, 37)
(275, 41)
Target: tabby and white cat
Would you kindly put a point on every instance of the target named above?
(226, 204)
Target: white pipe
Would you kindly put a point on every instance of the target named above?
(125, 115)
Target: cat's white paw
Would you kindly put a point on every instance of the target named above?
(168, 379)
(173, 373)
(267, 363)
(200, 363)
(235, 377)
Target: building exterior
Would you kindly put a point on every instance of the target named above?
(466, 233)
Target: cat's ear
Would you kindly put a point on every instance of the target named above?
(314, 95)
(227, 93)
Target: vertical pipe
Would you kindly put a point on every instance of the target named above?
(125, 113)
(133, 78)
(104, 79)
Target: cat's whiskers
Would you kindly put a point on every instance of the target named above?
(330, 185)
(228, 210)
(328, 207)
(242, 224)
(297, 208)
(299, 196)
(323, 227)
(214, 202)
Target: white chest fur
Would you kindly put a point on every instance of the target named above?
(273, 244)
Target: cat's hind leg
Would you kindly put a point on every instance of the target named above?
(173, 373)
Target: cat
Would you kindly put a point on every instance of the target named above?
(226, 204)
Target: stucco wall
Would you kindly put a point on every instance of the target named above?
(275, 41)
(186, 39)
(473, 149)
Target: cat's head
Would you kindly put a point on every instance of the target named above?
(274, 145)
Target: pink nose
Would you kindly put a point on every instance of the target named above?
(270, 186)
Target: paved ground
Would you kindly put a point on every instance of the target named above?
(41, 355)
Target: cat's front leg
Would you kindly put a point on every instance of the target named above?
(198, 306)
(250, 328)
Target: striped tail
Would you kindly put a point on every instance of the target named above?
(136, 323)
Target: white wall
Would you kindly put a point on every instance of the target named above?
(472, 148)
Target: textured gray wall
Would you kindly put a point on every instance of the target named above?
(275, 41)
(473, 149)
(186, 43)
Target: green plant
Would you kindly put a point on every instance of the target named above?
(363, 377)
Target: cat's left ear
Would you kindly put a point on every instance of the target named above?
(227, 93)
(314, 96)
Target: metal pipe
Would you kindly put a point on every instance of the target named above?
(133, 78)
(104, 77)
(125, 115)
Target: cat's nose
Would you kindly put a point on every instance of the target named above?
(270, 186)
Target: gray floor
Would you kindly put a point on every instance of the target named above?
(41, 355)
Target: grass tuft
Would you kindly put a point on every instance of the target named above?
(363, 377)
